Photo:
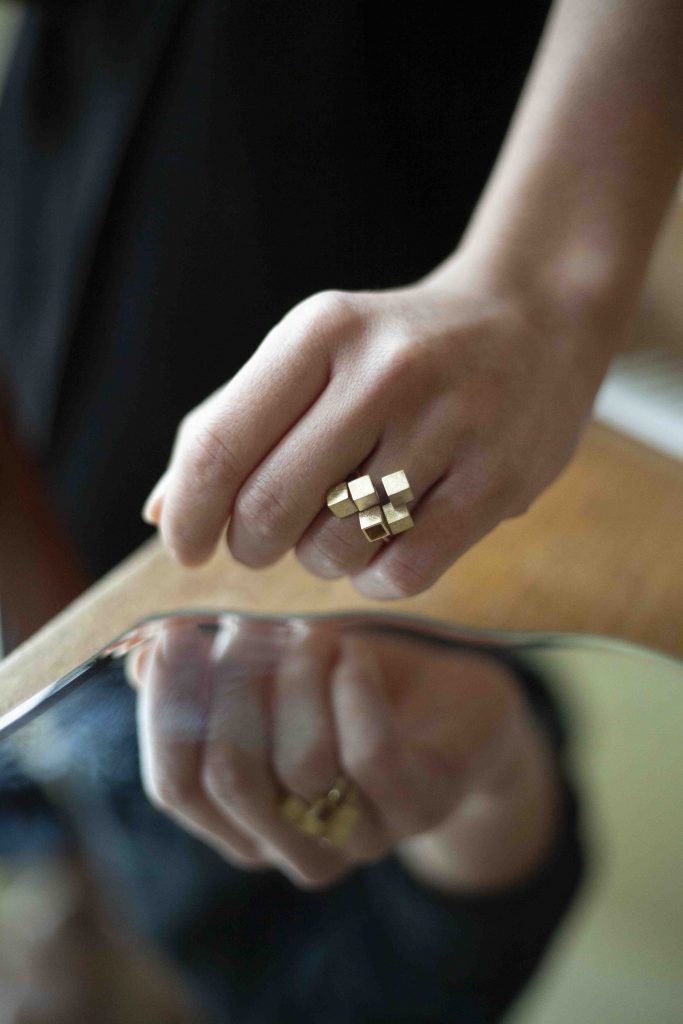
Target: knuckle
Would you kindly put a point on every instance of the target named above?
(209, 454)
(403, 367)
(227, 775)
(168, 792)
(264, 513)
(404, 359)
(329, 311)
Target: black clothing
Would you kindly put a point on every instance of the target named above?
(175, 175)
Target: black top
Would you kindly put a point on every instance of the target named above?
(176, 174)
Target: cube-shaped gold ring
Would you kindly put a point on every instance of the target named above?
(398, 518)
(373, 524)
(339, 501)
(363, 493)
(397, 488)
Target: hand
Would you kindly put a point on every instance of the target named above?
(230, 722)
(479, 395)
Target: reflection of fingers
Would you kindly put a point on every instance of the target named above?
(136, 663)
(370, 750)
(305, 755)
(238, 778)
(172, 714)
(303, 742)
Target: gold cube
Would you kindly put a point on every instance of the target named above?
(339, 828)
(397, 488)
(311, 823)
(339, 501)
(293, 808)
(373, 523)
(363, 493)
(398, 517)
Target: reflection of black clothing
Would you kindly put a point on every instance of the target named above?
(176, 174)
(377, 946)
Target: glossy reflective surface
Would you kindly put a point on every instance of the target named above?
(85, 853)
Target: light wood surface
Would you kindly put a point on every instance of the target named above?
(600, 552)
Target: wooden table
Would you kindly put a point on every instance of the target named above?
(600, 552)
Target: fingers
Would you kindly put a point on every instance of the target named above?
(173, 713)
(232, 722)
(370, 749)
(457, 512)
(223, 738)
(286, 491)
(304, 746)
(242, 779)
(305, 752)
(226, 438)
(332, 547)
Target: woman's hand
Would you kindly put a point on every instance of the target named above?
(477, 393)
(230, 723)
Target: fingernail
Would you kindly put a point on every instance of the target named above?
(375, 584)
(151, 510)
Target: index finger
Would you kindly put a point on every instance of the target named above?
(226, 438)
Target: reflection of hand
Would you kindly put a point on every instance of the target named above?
(474, 391)
(224, 734)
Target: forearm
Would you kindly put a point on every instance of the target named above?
(593, 154)
(503, 828)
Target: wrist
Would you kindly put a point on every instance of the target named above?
(501, 831)
(564, 301)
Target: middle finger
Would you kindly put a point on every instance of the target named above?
(237, 773)
(333, 547)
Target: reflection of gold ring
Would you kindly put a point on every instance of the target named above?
(330, 817)
(377, 520)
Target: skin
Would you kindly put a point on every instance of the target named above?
(432, 738)
(476, 380)
(452, 771)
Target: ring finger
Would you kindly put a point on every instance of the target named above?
(333, 547)
(305, 750)
(237, 773)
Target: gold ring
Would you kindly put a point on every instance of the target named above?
(378, 520)
(329, 818)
